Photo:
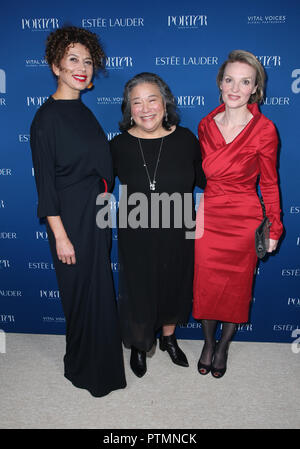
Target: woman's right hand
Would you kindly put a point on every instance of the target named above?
(64, 248)
(65, 251)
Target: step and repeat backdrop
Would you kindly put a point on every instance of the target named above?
(184, 43)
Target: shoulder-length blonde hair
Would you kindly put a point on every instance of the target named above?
(250, 59)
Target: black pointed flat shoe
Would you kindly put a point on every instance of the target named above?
(138, 362)
(169, 344)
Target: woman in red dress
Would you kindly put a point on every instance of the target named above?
(238, 144)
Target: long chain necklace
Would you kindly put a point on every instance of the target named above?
(151, 183)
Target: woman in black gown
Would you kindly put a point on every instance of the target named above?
(154, 156)
(72, 167)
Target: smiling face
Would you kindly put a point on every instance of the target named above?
(238, 84)
(75, 71)
(147, 108)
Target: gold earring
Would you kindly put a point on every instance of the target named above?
(90, 85)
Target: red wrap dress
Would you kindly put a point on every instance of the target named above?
(230, 211)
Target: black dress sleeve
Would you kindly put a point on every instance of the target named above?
(43, 156)
(200, 179)
(113, 149)
(105, 167)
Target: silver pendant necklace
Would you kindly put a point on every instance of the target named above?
(151, 183)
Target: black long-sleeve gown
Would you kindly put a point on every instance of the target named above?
(156, 264)
(71, 157)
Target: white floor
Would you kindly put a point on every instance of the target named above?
(261, 390)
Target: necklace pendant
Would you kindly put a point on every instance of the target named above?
(151, 184)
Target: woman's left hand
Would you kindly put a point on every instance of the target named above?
(272, 245)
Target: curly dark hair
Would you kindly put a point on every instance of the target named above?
(58, 41)
(168, 98)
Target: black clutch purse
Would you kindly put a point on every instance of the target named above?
(262, 234)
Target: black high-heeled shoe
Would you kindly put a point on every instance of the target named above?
(169, 344)
(217, 373)
(204, 368)
(138, 362)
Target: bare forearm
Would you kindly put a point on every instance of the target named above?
(64, 248)
(57, 227)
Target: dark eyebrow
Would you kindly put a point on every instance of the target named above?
(74, 54)
(244, 78)
(152, 95)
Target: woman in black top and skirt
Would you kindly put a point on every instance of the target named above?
(154, 156)
(72, 167)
